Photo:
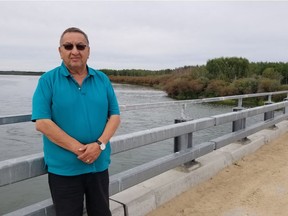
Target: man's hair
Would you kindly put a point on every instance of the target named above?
(74, 29)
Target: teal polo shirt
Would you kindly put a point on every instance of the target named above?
(82, 112)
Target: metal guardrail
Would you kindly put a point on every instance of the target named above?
(15, 119)
(184, 103)
(18, 169)
(203, 100)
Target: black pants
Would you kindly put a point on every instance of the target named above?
(68, 194)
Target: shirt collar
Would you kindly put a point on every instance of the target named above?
(64, 71)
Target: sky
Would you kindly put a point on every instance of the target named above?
(150, 35)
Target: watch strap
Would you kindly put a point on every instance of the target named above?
(102, 145)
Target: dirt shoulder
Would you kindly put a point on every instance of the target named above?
(257, 185)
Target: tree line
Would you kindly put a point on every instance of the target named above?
(219, 77)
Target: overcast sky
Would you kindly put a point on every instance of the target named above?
(143, 34)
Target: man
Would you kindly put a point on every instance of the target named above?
(76, 110)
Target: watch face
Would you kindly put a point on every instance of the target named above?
(102, 146)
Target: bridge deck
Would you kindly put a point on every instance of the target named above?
(254, 185)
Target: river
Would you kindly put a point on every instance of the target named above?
(21, 139)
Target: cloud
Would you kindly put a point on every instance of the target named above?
(143, 34)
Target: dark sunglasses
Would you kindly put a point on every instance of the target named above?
(71, 46)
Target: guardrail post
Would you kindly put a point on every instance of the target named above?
(285, 108)
(184, 141)
(270, 114)
(241, 123)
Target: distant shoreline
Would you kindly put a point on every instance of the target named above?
(30, 73)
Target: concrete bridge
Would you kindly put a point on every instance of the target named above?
(139, 190)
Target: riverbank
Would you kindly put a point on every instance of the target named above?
(29, 73)
(170, 83)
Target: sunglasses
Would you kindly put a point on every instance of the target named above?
(71, 46)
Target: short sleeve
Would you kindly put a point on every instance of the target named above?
(113, 107)
(42, 100)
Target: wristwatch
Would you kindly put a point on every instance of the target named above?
(102, 145)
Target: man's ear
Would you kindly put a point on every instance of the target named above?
(59, 50)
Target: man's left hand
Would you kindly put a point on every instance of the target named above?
(90, 153)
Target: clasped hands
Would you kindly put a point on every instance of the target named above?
(89, 153)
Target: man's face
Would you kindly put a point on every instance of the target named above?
(75, 57)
